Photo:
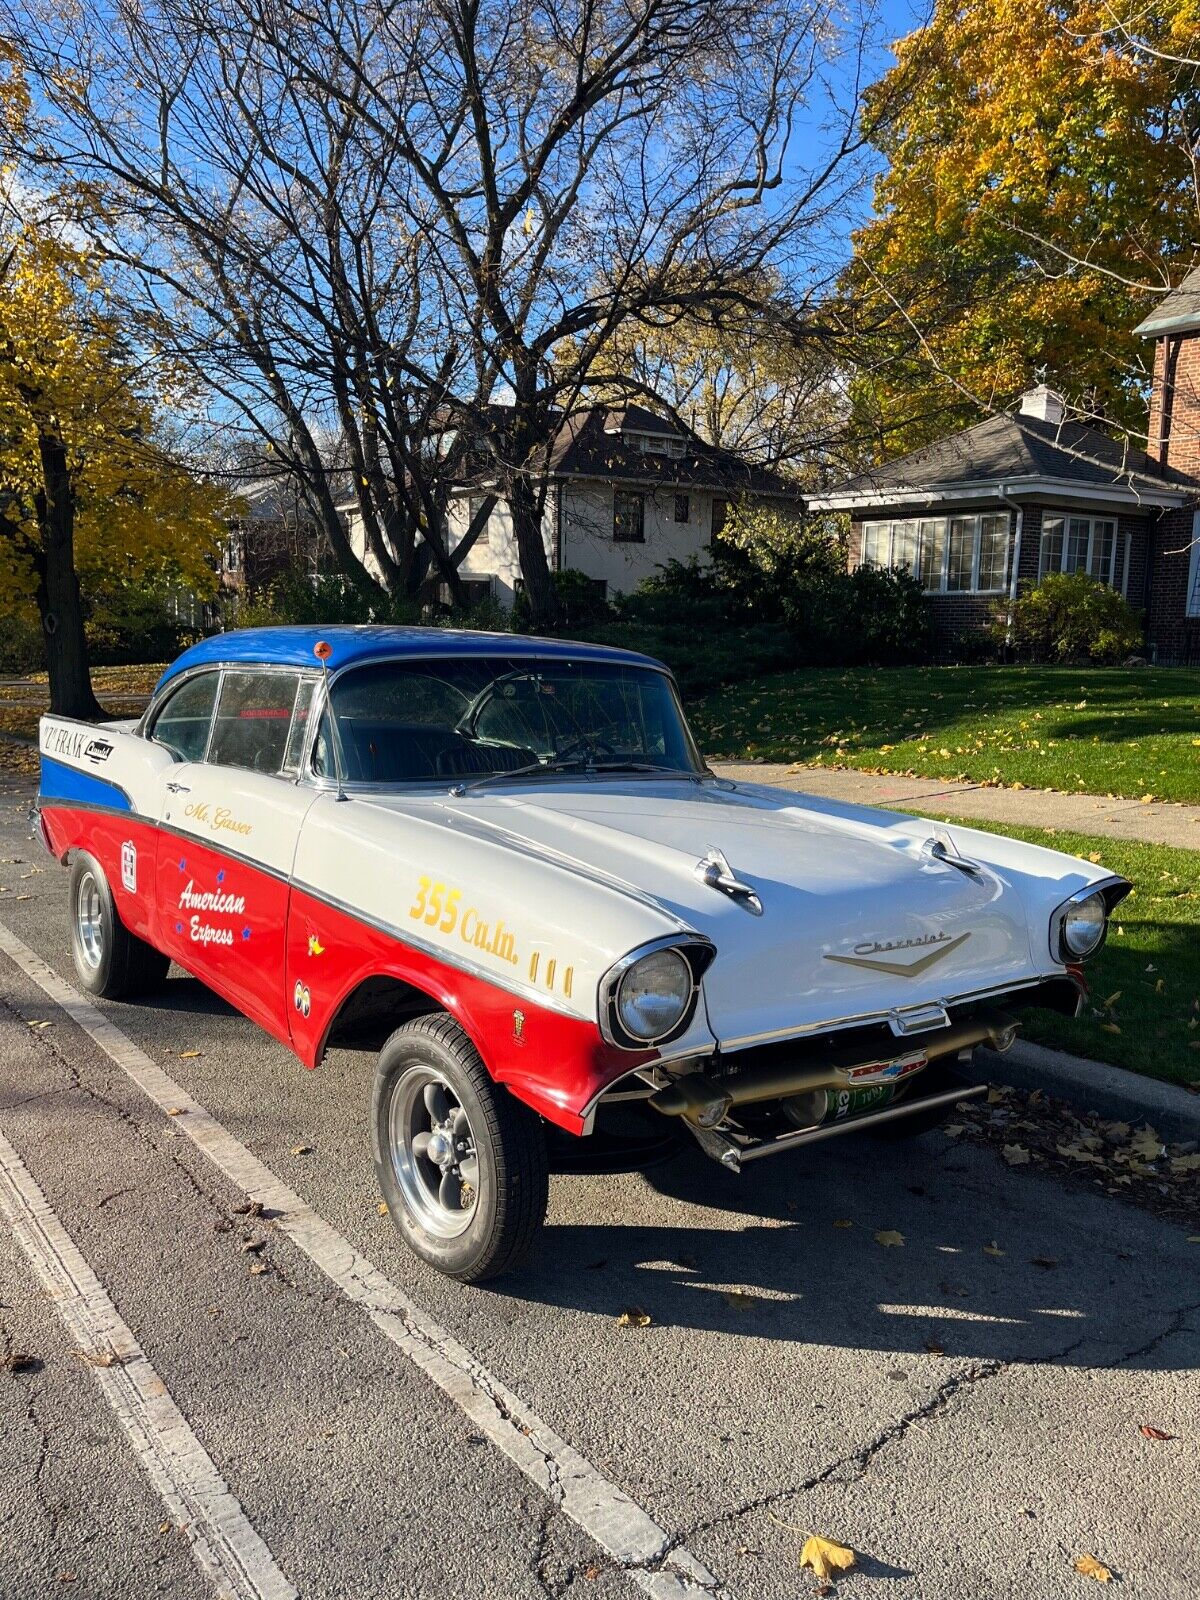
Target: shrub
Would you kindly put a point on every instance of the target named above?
(582, 604)
(1070, 617)
(22, 647)
(328, 598)
(132, 623)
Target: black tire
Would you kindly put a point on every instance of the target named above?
(503, 1200)
(110, 962)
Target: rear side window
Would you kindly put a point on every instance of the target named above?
(254, 718)
(182, 724)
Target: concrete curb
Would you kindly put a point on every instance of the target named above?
(1172, 1111)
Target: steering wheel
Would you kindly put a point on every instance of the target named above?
(587, 744)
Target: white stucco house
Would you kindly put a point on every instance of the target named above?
(628, 492)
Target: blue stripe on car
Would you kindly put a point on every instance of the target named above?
(70, 786)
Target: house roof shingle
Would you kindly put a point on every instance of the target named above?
(1005, 448)
(596, 443)
(1177, 312)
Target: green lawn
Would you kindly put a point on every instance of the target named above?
(1094, 730)
(1145, 1010)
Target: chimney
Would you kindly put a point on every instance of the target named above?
(1044, 404)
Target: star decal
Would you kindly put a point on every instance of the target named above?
(182, 864)
(179, 927)
(221, 875)
(245, 933)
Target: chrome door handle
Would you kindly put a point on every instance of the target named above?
(178, 788)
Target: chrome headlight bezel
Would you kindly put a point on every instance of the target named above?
(697, 954)
(1107, 893)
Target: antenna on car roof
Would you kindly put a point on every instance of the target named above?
(323, 650)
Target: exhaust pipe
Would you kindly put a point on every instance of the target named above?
(705, 1102)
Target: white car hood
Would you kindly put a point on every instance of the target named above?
(856, 918)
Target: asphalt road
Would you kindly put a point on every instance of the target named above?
(963, 1409)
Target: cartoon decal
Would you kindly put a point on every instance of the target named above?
(129, 866)
(302, 998)
(315, 947)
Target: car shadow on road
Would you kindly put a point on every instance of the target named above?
(915, 1248)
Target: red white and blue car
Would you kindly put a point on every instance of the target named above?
(503, 861)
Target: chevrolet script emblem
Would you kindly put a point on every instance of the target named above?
(869, 954)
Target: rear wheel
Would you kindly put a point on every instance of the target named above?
(462, 1165)
(110, 962)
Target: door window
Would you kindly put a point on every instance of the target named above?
(183, 723)
(254, 718)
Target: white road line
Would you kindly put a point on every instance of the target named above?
(622, 1529)
(227, 1549)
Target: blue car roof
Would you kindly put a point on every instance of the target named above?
(292, 646)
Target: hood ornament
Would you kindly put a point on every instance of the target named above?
(941, 847)
(714, 871)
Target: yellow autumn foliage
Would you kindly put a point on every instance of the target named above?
(1033, 164)
(67, 367)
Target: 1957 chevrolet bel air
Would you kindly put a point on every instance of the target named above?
(504, 861)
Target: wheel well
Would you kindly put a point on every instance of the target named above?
(373, 1011)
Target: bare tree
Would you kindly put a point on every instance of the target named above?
(380, 219)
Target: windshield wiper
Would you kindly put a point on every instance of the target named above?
(579, 763)
(555, 764)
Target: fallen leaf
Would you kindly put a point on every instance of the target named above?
(257, 1268)
(935, 1348)
(1016, 1155)
(992, 1249)
(383, 1210)
(1146, 1144)
(1149, 1432)
(249, 1208)
(176, 1111)
(302, 1149)
(1110, 1027)
(633, 1317)
(825, 1557)
(1112, 1000)
(1045, 1262)
(1091, 1568)
(188, 1055)
(995, 1096)
(952, 1130)
(99, 1358)
(843, 1222)
(739, 1299)
(889, 1238)
(251, 1247)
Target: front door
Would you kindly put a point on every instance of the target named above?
(227, 840)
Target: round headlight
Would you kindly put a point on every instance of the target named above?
(654, 994)
(1083, 925)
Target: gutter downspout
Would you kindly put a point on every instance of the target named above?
(1005, 499)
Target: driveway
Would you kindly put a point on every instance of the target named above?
(293, 1404)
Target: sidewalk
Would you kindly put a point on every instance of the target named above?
(1156, 823)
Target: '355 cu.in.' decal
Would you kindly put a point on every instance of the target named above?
(438, 906)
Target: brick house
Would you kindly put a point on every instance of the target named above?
(1021, 494)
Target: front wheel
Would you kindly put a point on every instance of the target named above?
(462, 1165)
(110, 962)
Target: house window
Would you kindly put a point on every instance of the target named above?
(682, 508)
(475, 504)
(1081, 544)
(629, 517)
(720, 513)
(947, 555)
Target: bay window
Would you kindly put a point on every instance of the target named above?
(947, 555)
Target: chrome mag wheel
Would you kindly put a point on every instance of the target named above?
(433, 1153)
(89, 919)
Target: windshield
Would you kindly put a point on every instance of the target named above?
(476, 717)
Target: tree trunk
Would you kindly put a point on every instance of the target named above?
(58, 596)
(526, 511)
